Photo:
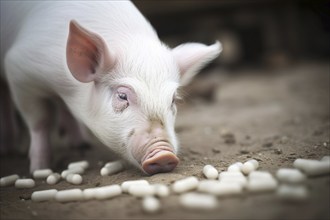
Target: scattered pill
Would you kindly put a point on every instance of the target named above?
(75, 179)
(125, 185)
(44, 195)
(73, 170)
(261, 185)
(290, 175)
(42, 174)
(106, 192)
(83, 164)
(292, 192)
(255, 163)
(150, 204)
(8, 180)
(248, 167)
(185, 184)
(161, 190)
(233, 177)
(325, 158)
(53, 178)
(210, 172)
(236, 167)
(142, 190)
(24, 183)
(312, 167)
(194, 200)
(260, 175)
(69, 195)
(89, 193)
(220, 188)
(112, 168)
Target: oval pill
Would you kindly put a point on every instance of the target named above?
(69, 195)
(194, 200)
(112, 168)
(185, 185)
(260, 175)
(261, 185)
(42, 174)
(161, 190)
(150, 204)
(53, 178)
(210, 172)
(234, 168)
(292, 192)
(290, 175)
(125, 185)
(220, 188)
(44, 195)
(73, 170)
(8, 180)
(312, 167)
(142, 190)
(106, 192)
(83, 164)
(248, 167)
(24, 183)
(75, 179)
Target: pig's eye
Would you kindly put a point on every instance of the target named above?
(122, 96)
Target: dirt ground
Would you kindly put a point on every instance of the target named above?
(274, 115)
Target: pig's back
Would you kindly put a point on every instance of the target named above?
(38, 30)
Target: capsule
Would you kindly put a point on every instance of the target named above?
(8, 180)
(290, 175)
(24, 183)
(83, 164)
(142, 190)
(292, 192)
(210, 172)
(232, 177)
(249, 166)
(42, 174)
(260, 175)
(69, 195)
(199, 201)
(73, 170)
(44, 195)
(312, 167)
(112, 168)
(261, 185)
(106, 192)
(161, 190)
(75, 179)
(125, 185)
(185, 185)
(220, 188)
(53, 178)
(236, 167)
(89, 193)
(150, 204)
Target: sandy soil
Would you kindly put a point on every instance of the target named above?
(275, 116)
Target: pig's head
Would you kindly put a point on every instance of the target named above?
(132, 103)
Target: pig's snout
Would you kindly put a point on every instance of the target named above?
(159, 161)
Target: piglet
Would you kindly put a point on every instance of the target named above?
(106, 63)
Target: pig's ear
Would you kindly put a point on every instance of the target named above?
(86, 53)
(191, 57)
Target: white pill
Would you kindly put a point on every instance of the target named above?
(260, 175)
(325, 158)
(106, 192)
(312, 167)
(219, 188)
(255, 163)
(248, 167)
(69, 195)
(44, 195)
(125, 185)
(185, 185)
(232, 177)
(290, 175)
(24, 183)
(150, 204)
(261, 185)
(42, 174)
(236, 167)
(161, 190)
(75, 179)
(53, 178)
(210, 172)
(112, 168)
(8, 180)
(83, 164)
(194, 200)
(74, 170)
(292, 192)
(142, 190)
(89, 193)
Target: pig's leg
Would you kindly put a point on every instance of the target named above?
(36, 113)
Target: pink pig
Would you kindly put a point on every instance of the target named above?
(106, 63)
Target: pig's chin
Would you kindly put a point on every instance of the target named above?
(156, 158)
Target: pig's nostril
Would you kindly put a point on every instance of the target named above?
(163, 161)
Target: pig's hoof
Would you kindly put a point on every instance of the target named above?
(161, 162)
